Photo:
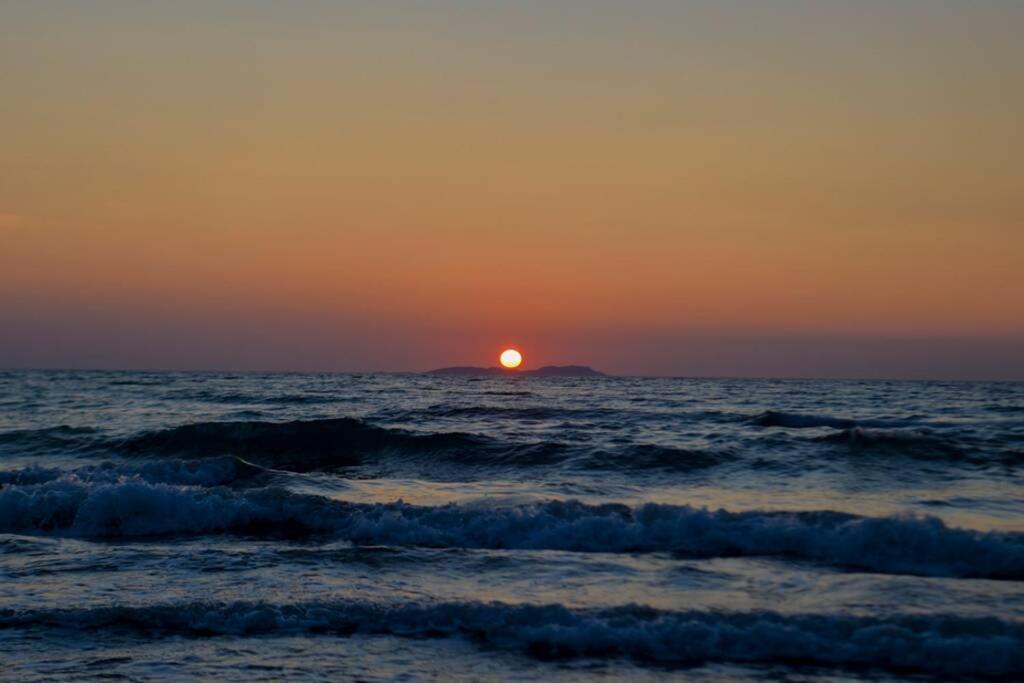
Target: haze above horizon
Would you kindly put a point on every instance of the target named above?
(654, 188)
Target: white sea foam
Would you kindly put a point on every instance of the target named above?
(135, 507)
(204, 472)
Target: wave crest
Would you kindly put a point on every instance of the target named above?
(310, 445)
(298, 446)
(936, 644)
(909, 441)
(215, 471)
(899, 545)
(773, 418)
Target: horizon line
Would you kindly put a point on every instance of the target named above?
(606, 375)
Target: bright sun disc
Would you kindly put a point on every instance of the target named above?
(510, 358)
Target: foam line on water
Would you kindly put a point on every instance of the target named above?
(134, 508)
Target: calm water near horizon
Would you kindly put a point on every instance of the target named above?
(411, 527)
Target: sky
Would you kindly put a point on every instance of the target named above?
(719, 188)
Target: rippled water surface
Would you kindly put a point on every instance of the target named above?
(381, 527)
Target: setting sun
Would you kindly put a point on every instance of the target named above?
(510, 358)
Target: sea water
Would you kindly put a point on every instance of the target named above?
(413, 527)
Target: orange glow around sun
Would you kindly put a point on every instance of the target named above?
(510, 358)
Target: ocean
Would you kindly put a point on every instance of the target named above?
(413, 527)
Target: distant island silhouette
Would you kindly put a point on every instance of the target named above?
(546, 371)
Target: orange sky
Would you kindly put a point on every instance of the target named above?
(395, 186)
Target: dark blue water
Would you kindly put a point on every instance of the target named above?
(383, 527)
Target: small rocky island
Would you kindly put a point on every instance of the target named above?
(546, 371)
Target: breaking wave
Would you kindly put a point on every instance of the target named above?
(136, 508)
(898, 545)
(934, 644)
(216, 471)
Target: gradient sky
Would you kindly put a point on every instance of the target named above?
(686, 188)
